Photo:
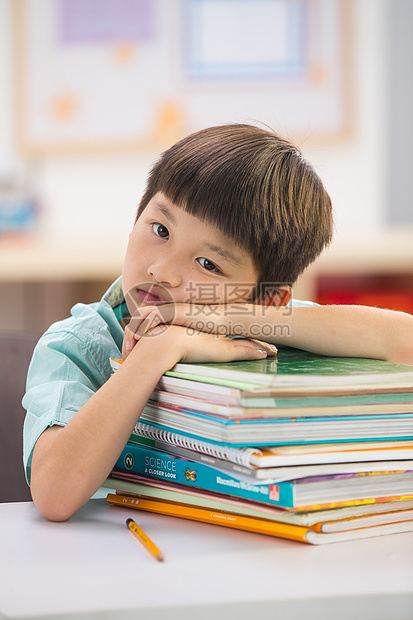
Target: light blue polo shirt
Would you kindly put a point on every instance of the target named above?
(71, 362)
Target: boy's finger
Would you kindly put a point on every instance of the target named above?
(154, 319)
(128, 343)
(246, 353)
(140, 315)
(136, 320)
(147, 325)
(270, 349)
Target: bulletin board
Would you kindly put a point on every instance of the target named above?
(131, 74)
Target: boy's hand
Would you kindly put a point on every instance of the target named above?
(181, 344)
(222, 319)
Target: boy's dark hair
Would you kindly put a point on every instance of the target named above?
(256, 188)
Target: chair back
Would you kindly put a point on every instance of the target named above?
(16, 349)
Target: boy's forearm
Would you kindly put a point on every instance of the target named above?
(349, 331)
(70, 465)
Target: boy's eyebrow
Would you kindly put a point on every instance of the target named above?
(225, 254)
(165, 211)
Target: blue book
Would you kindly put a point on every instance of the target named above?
(277, 431)
(305, 493)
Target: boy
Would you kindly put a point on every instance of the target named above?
(231, 216)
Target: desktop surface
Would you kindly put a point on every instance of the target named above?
(93, 567)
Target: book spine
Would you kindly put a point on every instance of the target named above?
(241, 456)
(162, 466)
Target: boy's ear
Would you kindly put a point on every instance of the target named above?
(280, 297)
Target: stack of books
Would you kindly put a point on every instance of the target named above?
(305, 447)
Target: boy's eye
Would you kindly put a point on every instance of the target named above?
(208, 265)
(160, 230)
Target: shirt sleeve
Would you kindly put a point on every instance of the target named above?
(63, 374)
(300, 303)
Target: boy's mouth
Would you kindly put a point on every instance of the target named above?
(150, 298)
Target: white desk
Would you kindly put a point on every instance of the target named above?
(93, 567)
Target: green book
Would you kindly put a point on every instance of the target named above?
(295, 372)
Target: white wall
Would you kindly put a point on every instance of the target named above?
(94, 197)
(8, 157)
(354, 173)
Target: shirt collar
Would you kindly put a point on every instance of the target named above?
(115, 298)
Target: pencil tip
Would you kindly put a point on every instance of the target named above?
(128, 521)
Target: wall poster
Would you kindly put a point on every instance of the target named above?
(118, 74)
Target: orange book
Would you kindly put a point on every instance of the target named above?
(251, 524)
(225, 519)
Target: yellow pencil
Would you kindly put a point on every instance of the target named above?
(145, 540)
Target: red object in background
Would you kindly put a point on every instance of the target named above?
(384, 291)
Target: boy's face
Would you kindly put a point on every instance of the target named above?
(173, 256)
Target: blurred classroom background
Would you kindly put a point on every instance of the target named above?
(91, 91)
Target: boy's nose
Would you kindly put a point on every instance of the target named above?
(164, 272)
